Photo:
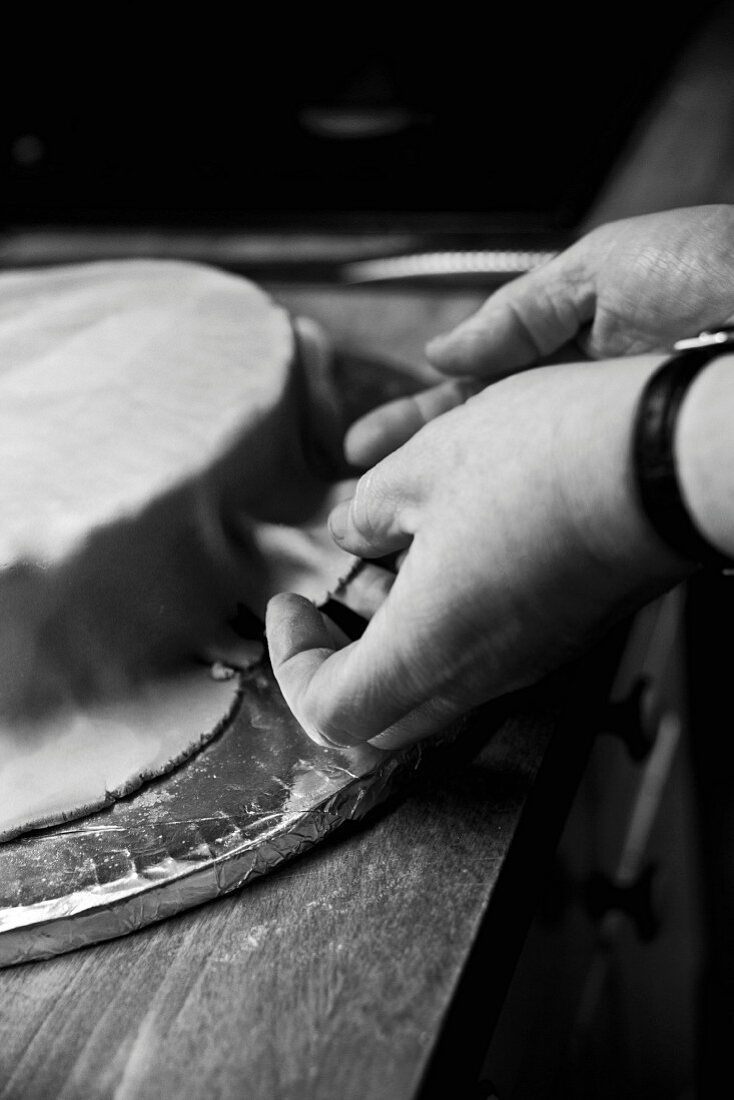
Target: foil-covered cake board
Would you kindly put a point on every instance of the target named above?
(258, 794)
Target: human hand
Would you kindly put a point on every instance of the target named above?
(521, 540)
(626, 287)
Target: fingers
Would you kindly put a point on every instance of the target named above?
(367, 690)
(525, 320)
(384, 429)
(379, 519)
(299, 641)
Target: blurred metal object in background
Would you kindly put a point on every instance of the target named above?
(470, 264)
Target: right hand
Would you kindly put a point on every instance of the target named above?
(521, 540)
(626, 287)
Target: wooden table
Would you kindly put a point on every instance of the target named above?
(372, 967)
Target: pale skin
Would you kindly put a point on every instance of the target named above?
(510, 496)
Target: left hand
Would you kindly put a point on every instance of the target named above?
(630, 286)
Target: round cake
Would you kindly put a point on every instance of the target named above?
(153, 483)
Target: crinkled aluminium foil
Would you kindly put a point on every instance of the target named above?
(258, 794)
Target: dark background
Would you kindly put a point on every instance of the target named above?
(490, 118)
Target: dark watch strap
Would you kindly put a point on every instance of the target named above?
(654, 456)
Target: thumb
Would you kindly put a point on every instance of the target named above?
(523, 321)
(375, 689)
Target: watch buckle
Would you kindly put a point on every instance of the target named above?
(705, 339)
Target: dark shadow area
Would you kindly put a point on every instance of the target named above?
(305, 121)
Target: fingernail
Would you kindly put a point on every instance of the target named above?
(344, 742)
(315, 736)
(338, 520)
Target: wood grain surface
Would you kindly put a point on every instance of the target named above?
(329, 978)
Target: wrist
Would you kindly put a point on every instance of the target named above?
(704, 452)
(599, 478)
